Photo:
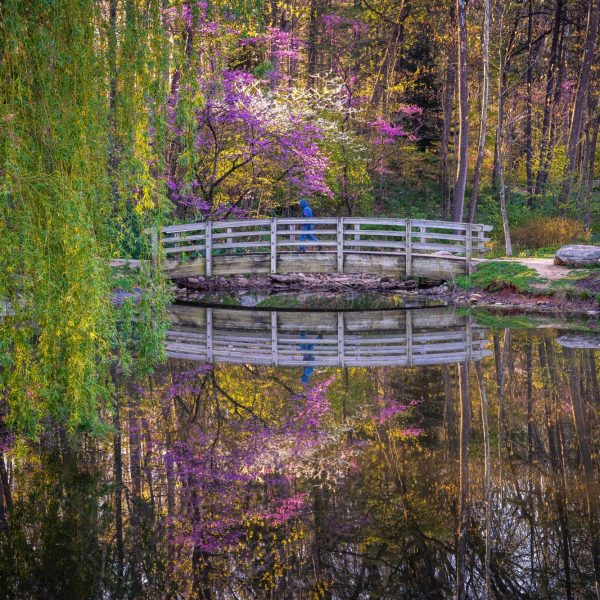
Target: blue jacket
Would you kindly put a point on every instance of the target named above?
(307, 213)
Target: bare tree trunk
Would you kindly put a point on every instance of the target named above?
(451, 433)
(487, 486)
(550, 99)
(585, 450)
(448, 95)
(281, 21)
(458, 199)
(388, 62)
(528, 107)
(463, 513)
(313, 31)
(530, 430)
(113, 153)
(135, 472)
(581, 95)
(589, 158)
(6, 501)
(500, 154)
(3, 520)
(501, 359)
(550, 369)
(118, 474)
(484, 111)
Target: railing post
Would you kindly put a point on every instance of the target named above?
(208, 249)
(408, 244)
(409, 338)
(468, 338)
(468, 247)
(274, 245)
(357, 232)
(340, 245)
(209, 336)
(341, 340)
(274, 339)
(481, 242)
(229, 239)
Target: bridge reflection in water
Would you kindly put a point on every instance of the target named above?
(308, 339)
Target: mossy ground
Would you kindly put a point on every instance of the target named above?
(497, 275)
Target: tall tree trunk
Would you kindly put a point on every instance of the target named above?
(528, 107)
(484, 111)
(118, 474)
(280, 21)
(551, 373)
(449, 414)
(3, 520)
(313, 33)
(590, 174)
(135, 471)
(581, 95)
(6, 501)
(463, 513)
(380, 94)
(500, 156)
(587, 168)
(583, 437)
(530, 450)
(460, 184)
(550, 97)
(487, 485)
(448, 95)
(113, 154)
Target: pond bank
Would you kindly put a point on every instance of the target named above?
(509, 301)
(506, 300)
(321, 282)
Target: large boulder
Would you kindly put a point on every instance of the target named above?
(590, 341)
(578, 256)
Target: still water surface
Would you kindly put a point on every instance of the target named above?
(399, 454)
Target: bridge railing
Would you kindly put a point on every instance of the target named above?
(339, 236)
(403, 338)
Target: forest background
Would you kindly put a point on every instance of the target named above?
(116, 115)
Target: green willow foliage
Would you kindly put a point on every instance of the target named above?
(76, 189)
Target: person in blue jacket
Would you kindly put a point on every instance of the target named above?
(307, 213)
(307, 356)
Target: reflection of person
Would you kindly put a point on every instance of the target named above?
(306, 348)
(307, 213)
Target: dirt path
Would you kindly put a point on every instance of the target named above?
(544, 266)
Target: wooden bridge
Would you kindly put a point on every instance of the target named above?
(397, 247)
(426, 336)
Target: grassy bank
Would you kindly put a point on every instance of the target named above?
(495, 276)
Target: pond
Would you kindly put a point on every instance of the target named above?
(287, 454)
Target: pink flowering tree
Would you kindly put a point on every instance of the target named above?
(249, 146)
(244, 474)
(387, 134)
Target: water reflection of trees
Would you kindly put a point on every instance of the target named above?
(231, 483)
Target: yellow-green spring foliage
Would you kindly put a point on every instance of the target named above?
(59, 205)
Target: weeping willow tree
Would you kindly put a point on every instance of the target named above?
(76, 188)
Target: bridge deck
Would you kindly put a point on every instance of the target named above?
(399, 247)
